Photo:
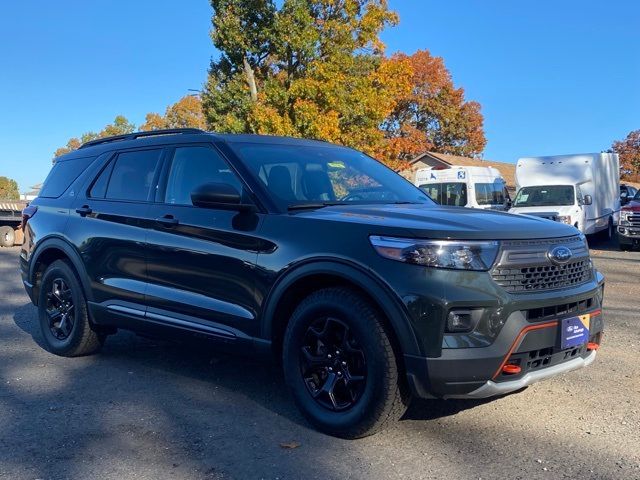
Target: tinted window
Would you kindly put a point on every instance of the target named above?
(132, 175)
(453, 194)
(309, 174)
(62, 175)
(490, 193)
(99, 188)
(195, 166)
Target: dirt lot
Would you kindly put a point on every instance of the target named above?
(150, 410)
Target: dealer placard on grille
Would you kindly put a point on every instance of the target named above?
(575, 331)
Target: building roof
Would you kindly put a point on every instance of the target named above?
(508, 170)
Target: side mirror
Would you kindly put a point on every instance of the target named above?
(624, 200)
(587, 200)
(221, 196)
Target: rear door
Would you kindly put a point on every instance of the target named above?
(202, 261)
(108, 224)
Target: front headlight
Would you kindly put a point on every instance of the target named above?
(564, 219)
(624, 215)
(456, 254)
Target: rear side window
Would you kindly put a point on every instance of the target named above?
(453, 194)
(62, 175)
(131, 176)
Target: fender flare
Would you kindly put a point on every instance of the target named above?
(362, 277)
(70, 252)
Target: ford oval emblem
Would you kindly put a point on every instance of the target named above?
(559, 255)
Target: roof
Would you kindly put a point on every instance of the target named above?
(163, 137)
(508, 170)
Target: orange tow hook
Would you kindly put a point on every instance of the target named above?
(593, 346)
(511, 369)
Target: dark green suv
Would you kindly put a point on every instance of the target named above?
(367, 291)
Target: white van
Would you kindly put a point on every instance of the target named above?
(473, 187)
(580, 190)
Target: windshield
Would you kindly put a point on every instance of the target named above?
(637, 195)
(490, 193)
(299, 176)
(453, 194)
(550, 195)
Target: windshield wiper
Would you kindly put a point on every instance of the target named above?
(311, 206)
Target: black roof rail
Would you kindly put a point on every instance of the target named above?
(133, 136)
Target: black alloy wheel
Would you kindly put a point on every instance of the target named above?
(332, 364)
(64, 319)
(60, 309)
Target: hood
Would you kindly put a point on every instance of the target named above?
(423, 221)
(633, 206)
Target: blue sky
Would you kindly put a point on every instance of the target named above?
(552, 76)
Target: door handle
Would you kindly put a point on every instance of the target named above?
(84, 210)
(167, 221)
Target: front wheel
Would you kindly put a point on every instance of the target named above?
(63, 315)
(340, 365)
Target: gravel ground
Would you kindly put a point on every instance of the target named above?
(153, 410)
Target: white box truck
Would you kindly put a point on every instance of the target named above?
(579, 190)
(473, 187)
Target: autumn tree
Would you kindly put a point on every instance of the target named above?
(185, 113)
(9, 189)
(629, 151)
(434, 115)
(311, 68)
(120, 126)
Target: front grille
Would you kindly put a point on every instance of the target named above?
(634, 220)
(543, 277)
(523, 266)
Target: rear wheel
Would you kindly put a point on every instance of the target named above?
(607, 234)
(63, 315)
(340, 365)
(7, 236)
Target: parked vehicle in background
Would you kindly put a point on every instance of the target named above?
(579, 190)
(11, 222)
(473, 187)
(365, 289)
(629, 225)
(627, 192)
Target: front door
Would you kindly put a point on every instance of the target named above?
(201, 261)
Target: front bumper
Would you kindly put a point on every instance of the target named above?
(629, 235)
(473, 371)
(491, 388)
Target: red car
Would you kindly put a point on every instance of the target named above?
(629, 226)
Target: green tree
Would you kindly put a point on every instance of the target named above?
(9, 189)
(312, 68)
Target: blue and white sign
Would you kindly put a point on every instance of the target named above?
(462, 174)
(575, 331)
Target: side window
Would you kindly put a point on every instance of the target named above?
(62, 175)
(99, 188)
(132, 175)
(195, 166)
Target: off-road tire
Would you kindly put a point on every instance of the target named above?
(82, 339)
(384, 398)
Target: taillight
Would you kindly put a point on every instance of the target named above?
(27, 213)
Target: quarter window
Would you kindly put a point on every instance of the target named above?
(194, 166)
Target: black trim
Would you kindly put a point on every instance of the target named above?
(364, 278)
